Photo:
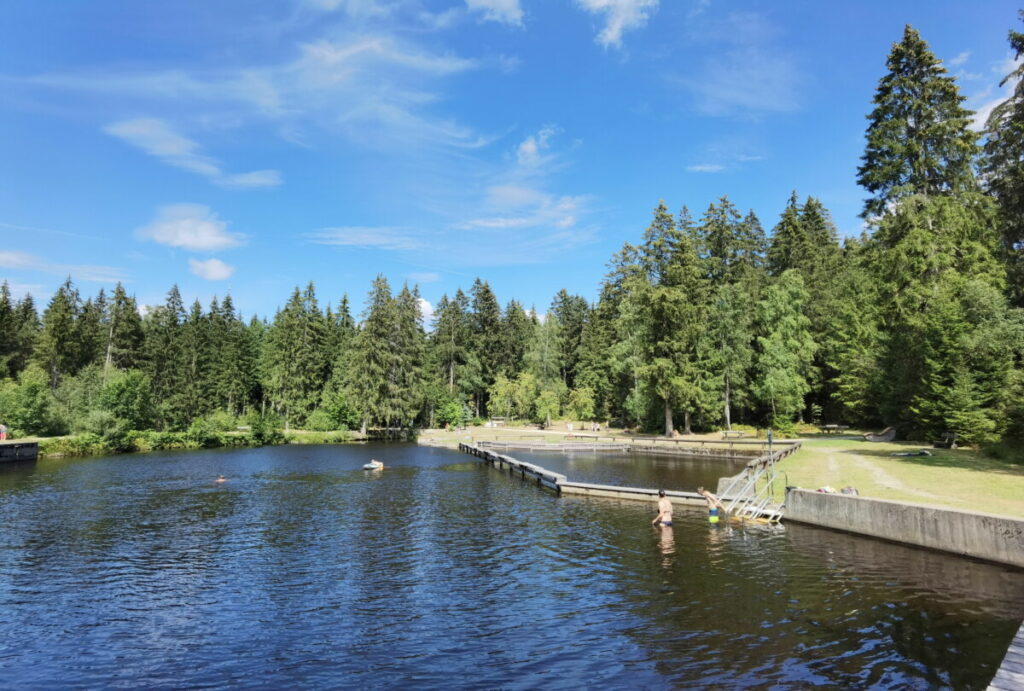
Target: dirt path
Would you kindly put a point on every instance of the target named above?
(878, 474)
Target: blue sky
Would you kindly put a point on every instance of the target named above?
(254, 145)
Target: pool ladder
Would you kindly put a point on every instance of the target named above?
(751, 502)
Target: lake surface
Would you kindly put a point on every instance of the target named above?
(303, 570)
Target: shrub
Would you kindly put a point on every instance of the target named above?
(321, 421)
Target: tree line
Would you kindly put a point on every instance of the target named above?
(701, 323)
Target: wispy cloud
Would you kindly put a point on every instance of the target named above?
(359, 83)
(747, 72)
(504, 11)
(706, 168)
(84, 272)
(192, 227)
(158, 139)
(425, 277)
(984, 102)
(211, 269)
(532, 152)
(367, 237)
(620, 16)
(959, 59)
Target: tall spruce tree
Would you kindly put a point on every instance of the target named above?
(1002, 168)
(374, 362)
(918, 140)
(58, 348)
(123, 340)
(166, 359)
(786, 348)
(486, 321)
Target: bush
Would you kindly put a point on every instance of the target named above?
(265, 430)
(129, 397)
(450, 413)
(222, 421)
(321, 421)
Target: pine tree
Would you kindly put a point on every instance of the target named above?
(409, 343)
(486, 321)
(123, 341)
(666, 303)
(8, 332)
(786, 348)
(790, 245)
(517, 332)
(571, 312)
(58, 349)
(374, 363)
(296, 368)
(166, 359)
(918, 139)
(1002, 168)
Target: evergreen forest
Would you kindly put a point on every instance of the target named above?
(704, 319)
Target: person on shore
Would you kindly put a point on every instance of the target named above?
(3, 432)
(664, 517)
(714, 504)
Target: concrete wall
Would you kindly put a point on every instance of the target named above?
(985, 536)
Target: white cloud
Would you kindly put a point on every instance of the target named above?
(425, 277)
(156, 138)
(427, 311)
(84, 272)
(745, 71)
(211, 269)
(960, 59)
(983, 102)
(192, 227)
(541, 210)
(377, 84)
(505, 11)
(621, 16)
(706, 168)
(366, 237)
(530, 153)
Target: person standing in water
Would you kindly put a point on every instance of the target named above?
(664, 517)
(714, 504)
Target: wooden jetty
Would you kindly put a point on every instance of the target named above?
(18, 451)
(1010, 676)
(561, 485)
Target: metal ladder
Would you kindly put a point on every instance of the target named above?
(751, 502)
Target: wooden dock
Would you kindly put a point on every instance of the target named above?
(18, 451)
(1010, 676)
(561, 485)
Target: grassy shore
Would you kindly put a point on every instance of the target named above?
(955, 478)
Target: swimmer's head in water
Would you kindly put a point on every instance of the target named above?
(661, 493)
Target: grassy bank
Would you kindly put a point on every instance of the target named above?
(956, 478)
(87, 444)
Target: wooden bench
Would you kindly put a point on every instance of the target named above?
(733, 434)
(833, 429)
(948, 441)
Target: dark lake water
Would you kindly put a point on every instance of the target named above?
(302, 570)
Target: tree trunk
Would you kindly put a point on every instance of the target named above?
(728, 420)
(686, 423)
(668, 418)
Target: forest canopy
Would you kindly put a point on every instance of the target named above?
(703, 320)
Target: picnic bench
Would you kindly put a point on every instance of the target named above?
(833, 429)
(733, 434)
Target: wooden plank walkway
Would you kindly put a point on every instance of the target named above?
(1010, 676)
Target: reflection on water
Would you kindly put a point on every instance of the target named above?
(636, 469)
(303, 569)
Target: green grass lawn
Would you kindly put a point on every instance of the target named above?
(959, 479)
